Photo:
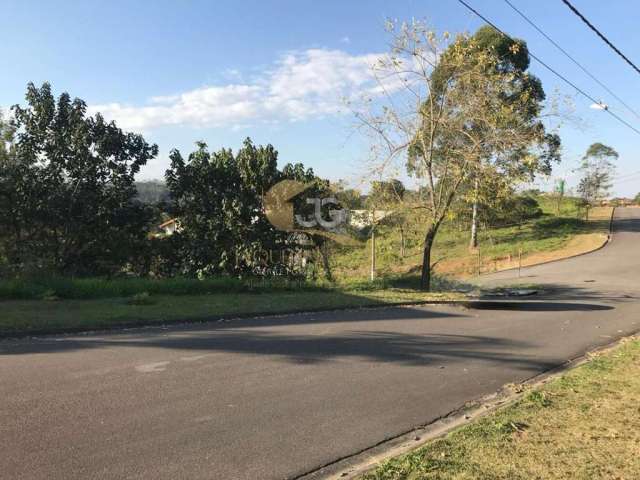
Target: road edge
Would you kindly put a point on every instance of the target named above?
(600, 247)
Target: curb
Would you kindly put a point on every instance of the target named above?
(604, 244)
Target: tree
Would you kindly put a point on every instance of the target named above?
(597, 172)
(209, 194)
(67, 191)
(457, 126)
(388, 196)
(218, 198)
(511, 57)
(560, 191)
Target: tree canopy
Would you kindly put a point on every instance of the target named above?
(457, 113)
(598, 166)
(67, 188)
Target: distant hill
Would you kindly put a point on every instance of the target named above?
(152, 192)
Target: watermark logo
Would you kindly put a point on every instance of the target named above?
(279, 209)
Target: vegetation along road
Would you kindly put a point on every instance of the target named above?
(278, 397)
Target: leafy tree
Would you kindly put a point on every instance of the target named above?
(205, 190)
(217, 197)
(351, 198)
(389, 197)
(521, 90)
(560, 190)
(67, 192)
(467, 122)
(597, 169)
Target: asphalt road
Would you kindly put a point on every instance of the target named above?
(276, 397)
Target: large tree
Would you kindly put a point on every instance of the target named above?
(521, 89)
(218, 199)
(67, 190)
(453, 115)
(598, 166)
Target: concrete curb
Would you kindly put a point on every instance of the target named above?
(604, 244)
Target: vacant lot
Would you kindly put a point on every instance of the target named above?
(550, 237)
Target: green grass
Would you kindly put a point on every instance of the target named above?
(92, 288)
(451, 252)
(22, 317)
(583, 425)
(56, 304)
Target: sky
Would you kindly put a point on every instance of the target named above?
(278, 70)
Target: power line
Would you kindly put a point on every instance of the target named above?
(604, 39)
(530, 22)
(560, 76)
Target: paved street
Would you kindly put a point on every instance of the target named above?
(275, 397)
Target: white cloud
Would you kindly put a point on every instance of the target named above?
(345, 40)
(301, 85)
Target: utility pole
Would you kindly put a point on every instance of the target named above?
(373, 253)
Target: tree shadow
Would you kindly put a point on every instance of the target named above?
(272, 337)
(536, 306)
(378, 346)
(627, 225)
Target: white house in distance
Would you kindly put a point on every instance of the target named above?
(357, 218)
(364, 218)
(170, 226)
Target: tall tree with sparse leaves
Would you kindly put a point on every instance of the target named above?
(598, 167)
(454, 127)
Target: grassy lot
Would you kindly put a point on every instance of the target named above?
(583, 425)
(566, 234)
(21, 317)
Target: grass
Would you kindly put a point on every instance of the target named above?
(24, 317)
(566, 233)
(583, 425)
(58, 304)
(92, 288)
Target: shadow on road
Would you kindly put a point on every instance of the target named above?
(380, 346)
(274, 337)
(537, 306)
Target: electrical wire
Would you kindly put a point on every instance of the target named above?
(597, 32)
(557, 74)
(584, 69)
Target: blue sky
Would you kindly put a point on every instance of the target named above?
(276, 70)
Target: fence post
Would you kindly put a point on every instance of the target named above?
(479, 261)
(519, 261)
(373, 254)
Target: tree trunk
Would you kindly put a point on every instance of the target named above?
(326, 265)
(425, 280)
(473, 243)
(401, 242)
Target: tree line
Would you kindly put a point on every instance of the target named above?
(462, 115)
(69, 203)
